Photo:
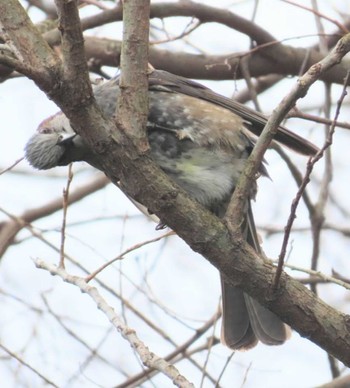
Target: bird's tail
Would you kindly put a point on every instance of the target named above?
(244, 320)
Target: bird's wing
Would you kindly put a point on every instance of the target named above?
(253, 120)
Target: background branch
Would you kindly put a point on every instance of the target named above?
(140, 288)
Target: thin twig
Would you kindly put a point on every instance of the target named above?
(211, 343)
(236, 207)
(9, 229)
(192, 26)
(296, 173)
(334, 21)
(75, 336)
(22, 362)
(65, 209)
(14, 164)
(227, 363)
(309, 168)
(111, 291)
(147, 357)
(316, 119)
(131, 249)
(319, 274)
(138, 379)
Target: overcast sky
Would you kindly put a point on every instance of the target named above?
(166, 272)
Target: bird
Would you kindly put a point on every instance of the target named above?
(201, 140)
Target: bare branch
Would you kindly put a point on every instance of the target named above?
(133, 100)
(121, 256)
(306, 180)
(148, 358)
(22, 362)
(9, 229)
(37, 59)
(64, 218)
(300, 89)
(75, 74)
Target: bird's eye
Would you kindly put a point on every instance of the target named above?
(45, 130)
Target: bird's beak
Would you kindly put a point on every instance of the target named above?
(66, 139)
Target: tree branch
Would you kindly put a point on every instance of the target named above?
(9, 229)
(148, 358)
(204, 232)
(270, 57)
(298, 91)
(38, 60)
(132, 107)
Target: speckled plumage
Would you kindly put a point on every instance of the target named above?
(201, 140)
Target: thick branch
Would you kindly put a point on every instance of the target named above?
(35, 54)
(219, 67)
(271, 58)
(133, 100)
(204, 232)
(207, 235)
(75, 76)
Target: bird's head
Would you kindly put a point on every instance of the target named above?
(54, 144)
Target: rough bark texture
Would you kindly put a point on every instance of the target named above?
(68, 86)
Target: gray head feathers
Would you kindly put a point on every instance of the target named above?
(43, 151)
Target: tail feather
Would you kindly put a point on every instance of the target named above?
(267, 326)
(236, 330)
(244, 320)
